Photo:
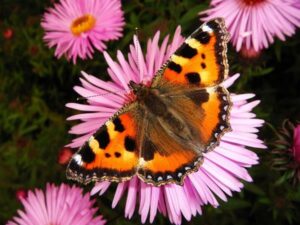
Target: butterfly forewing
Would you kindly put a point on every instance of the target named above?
(201, 60)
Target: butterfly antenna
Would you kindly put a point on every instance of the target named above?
(107, 93)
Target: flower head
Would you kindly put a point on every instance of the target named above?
(296, 144)
(76, 27)
(253, 24)
(286, 153)
(222, 169)
(64, 155)
(57, 205)
(21, 193)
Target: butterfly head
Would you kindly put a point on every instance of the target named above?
(139, 90)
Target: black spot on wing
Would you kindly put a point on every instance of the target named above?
(107, 155)
(148, 150)
(117, 154)
(203, 65)
(203, 56)
(213, 24)
(193, 78)
(74, 165)
(87, 154)
(118, 124)
(186, 51)
(202, 36)
(129, 144)
(198, 96)
(175, 67)
(102, 136)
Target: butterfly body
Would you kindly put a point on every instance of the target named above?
(163, 133)
(160, 108)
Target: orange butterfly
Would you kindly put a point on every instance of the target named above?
(162, 134)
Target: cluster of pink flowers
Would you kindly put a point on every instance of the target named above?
(76, 27)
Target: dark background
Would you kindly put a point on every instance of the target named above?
(35, 86)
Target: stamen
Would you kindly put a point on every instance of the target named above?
(252, 2)
(83, 24)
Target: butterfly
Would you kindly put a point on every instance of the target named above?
(162, 135)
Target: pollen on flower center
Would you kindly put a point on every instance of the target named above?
(83, 24)
(252, 2)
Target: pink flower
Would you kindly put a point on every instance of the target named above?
(286, 152)
(296, 144)
(250, 53)
(76, 27)
(21, 193)
(222, 169)
(57, 205)
(253, 24)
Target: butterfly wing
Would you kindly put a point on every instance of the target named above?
(194, 73)
(189, 84)
(111, 153)
(207, 109)
(168, 155)
(164, 159)
(201, 60)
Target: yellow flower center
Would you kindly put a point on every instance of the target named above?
(83, 24)
(252, 2)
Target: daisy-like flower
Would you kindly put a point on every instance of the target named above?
(296, 144)
(253, 24)
(76, 27)
(223, 168)
(57, 205)
(286, 153)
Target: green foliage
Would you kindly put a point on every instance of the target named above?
(35, 86)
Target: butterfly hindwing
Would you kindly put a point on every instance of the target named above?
(201, 60)
(207, 110)
(110, 154)
(165, 157)
(169, 153)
